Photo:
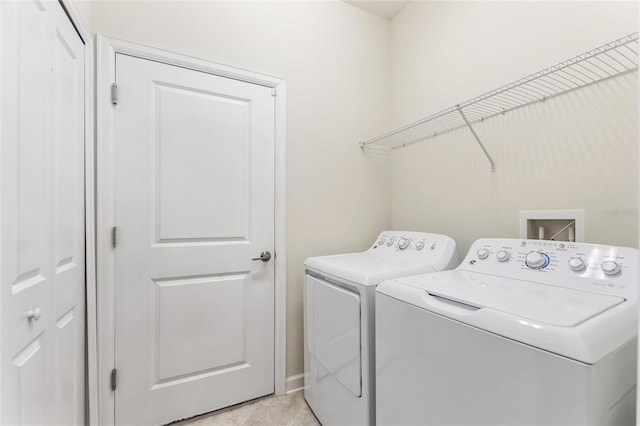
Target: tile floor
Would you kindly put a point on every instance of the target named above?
(286, 410)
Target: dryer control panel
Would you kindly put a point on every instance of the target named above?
(412, 246)
(399, 240)
(590, 267)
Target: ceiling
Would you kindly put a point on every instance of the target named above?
(384, 8)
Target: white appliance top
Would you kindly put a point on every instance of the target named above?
(541, 303)
(393, 254)
(573, 299)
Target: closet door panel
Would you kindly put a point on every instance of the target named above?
(67, 208)
(42, 264)
(26, 220)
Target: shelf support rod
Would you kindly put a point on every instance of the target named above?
(475, 135)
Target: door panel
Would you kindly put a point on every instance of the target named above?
(188, 355)
(194, 203)
(26, 219)
(68, 373)
(68, 278)
(191, 201)
(42, 227)
(32, 397)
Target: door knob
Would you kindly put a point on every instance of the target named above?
(265, 256)
(34, 315)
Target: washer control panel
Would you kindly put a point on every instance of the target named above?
(599, 268)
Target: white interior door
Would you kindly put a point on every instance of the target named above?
(194, 203)
(42, 216)
(26, 214)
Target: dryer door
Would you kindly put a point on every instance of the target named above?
(333, 335)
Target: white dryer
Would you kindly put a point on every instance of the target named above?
(339, 296)
(523, 332)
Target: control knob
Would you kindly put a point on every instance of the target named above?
(503, 256)
(577, 264)
(380, 241)
(403, 243)
(610, 267)
(536, 260)
(419, 245)
(482, 253)
(390, 241)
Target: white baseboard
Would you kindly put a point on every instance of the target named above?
(294, 383)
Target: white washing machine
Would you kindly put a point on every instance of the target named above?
(523, 332)
(339, 296)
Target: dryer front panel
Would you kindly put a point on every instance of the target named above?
(333, 327)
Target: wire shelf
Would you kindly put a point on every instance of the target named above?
(610, 60)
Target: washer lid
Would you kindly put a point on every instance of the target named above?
(580, 325)
(367, 268)
(538, 302)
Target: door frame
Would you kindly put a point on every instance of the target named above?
(106, 50)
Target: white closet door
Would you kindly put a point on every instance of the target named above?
(26, 214)
(67, 180)
(41, 217)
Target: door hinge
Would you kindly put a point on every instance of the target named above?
(114, 94)
(114, 379)
(273, 92)
(114, 241)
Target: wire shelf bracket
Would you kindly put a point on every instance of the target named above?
(602, 63)
(475, 135)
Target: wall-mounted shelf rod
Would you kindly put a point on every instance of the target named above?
(602, 63)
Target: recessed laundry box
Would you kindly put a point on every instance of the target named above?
(523, 332)
(339, 297)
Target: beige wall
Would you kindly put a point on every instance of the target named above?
(578, 151)
(335, 59)
(351, 76)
